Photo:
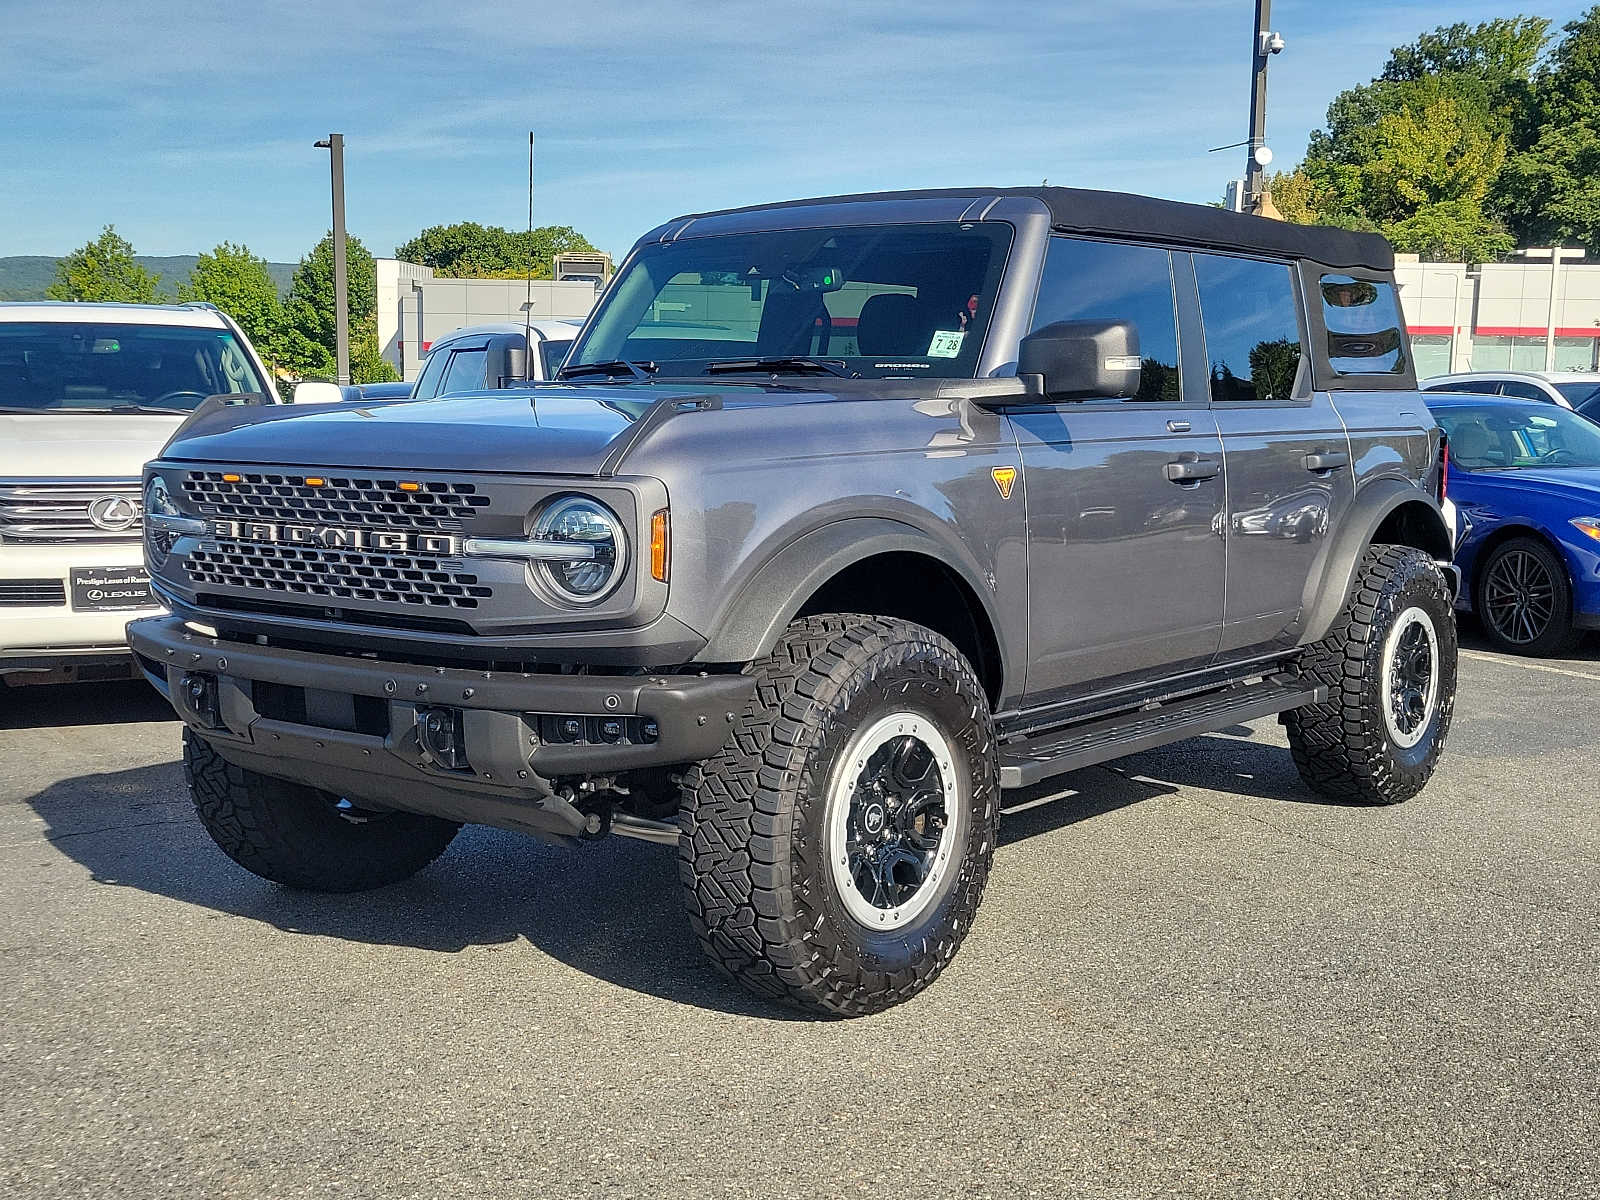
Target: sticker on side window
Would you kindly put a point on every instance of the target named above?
(946, 343)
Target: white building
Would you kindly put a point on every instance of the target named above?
(415, 306)
(1497, 316)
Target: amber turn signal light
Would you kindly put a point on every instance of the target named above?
(660, 546)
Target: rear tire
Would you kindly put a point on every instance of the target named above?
(835, 851)
(1524, 600)
(301, 837)
(1390, 669)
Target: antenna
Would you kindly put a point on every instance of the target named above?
(527, 308)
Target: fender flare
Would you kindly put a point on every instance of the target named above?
(1331, 579)
(749, 626)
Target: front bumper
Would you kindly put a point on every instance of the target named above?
(45, 636)
(350, 725)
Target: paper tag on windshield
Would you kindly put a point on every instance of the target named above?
(946, 343)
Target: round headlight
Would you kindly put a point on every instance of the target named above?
(600, 549)
(158, 501)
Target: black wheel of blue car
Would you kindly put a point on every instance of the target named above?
(1389, 666)
(834, 852)
(1524, 599)
(302, 837)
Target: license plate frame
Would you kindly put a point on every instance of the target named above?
(110, 589)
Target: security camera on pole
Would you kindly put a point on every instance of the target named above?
(1267, 43)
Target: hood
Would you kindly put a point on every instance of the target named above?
(558, 430)
(1579, 484)
(81, 445)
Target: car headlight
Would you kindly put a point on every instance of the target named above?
(1589, 525)
(599, 544)
(159, 538)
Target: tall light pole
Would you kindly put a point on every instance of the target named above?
(1267, 43)
(334, 144)
(1555, 254)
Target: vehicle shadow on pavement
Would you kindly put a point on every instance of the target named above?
(613, 911)
(61, 706)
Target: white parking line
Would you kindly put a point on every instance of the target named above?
(1510, 661)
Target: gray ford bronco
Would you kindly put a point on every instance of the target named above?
(843, 516)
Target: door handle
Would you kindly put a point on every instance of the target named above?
(1326, 460)
(1192, 470)
(1178, 427)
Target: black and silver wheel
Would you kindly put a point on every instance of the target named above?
(302, 837)
(1390, 669)
(1525, 599)
(835, 851)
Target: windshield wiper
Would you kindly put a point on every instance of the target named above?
(797, 364)
(617, 366)
(143, 408)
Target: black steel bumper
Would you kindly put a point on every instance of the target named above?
(350, 725)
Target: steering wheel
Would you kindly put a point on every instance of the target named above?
(1550, 456)
(199, 397)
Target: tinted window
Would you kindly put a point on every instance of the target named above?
(552, 354)
(1579, 395)
(51, 366)
(1102, 281)
(1523, 391)
(1364, 326)
(468, 371)
(432, 371)
(1474, 387)
(891, 300)
(1252, 335)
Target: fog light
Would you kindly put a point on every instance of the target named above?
(439, 731)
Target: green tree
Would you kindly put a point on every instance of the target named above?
(311, 340)
(238, 283)
(104, 269)
(468, 250)
(1418, 153)
(1550, 190)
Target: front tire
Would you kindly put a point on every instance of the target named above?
(1524, 600)
(1390, 669)
(301, 837)
(835, 851)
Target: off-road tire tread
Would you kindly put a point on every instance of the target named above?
(1339, 747)
(262, 824)
(733, 855)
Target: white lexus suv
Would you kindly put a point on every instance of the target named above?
(88, 393)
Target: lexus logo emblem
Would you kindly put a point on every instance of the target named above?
(114, 514)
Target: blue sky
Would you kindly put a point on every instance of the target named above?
(187, 122)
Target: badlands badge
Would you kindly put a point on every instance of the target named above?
(1004, 478)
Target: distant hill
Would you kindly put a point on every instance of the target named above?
(25, 276)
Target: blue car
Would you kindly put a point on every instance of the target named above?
(1525, 479)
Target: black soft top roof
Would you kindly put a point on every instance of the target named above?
(1123, 214)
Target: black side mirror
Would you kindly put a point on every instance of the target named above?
(508, 361)
(1083, 360)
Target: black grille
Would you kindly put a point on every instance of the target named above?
(338, 500)
(334, 574)
(32, 593)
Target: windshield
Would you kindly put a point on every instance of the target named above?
(55, 367)
(1502, 437)
(885, 300)
(1577, 394)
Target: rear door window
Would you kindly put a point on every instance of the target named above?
(1364, 326)
(1252, 328)
(1524, 391)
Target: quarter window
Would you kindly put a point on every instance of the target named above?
(1252, 332)
(1104, 281)
(428, 384)
(1364, 326)
(468, 372)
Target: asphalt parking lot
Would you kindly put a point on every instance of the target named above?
(1189, 978)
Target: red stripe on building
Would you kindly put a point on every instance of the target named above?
(1528, 331)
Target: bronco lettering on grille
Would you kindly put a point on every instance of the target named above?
(339, 537)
